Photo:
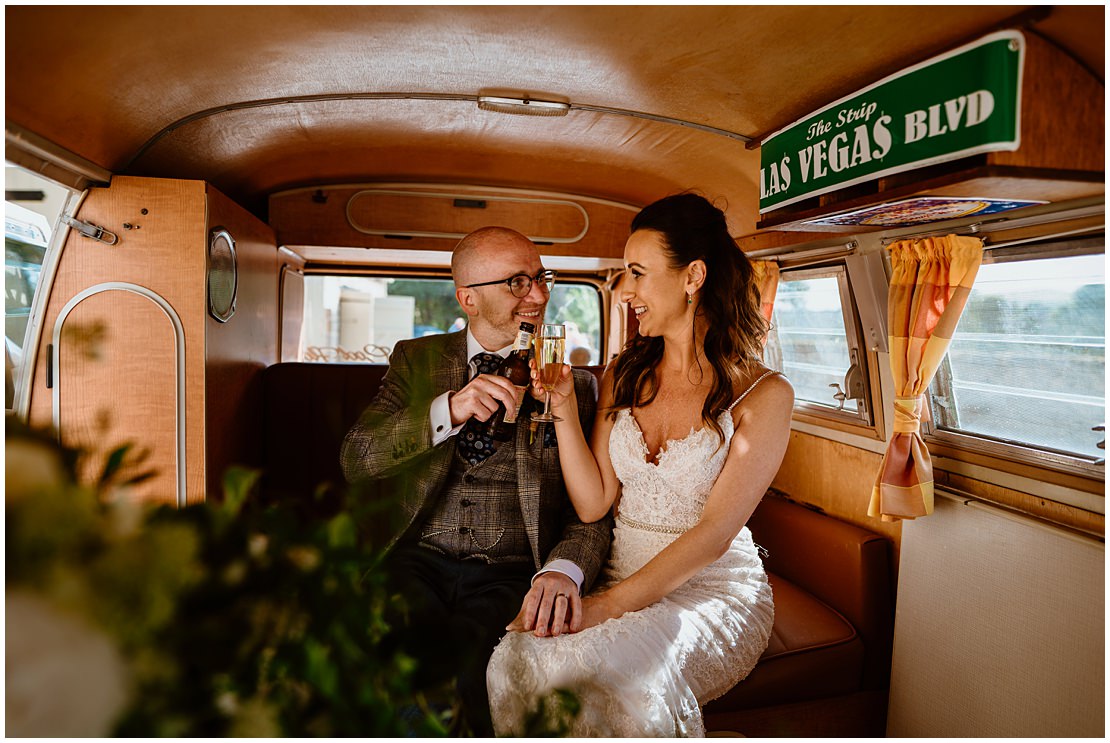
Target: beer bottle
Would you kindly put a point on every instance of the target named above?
(514, 368)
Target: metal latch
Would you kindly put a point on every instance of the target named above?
(90, 230)
(853, 381)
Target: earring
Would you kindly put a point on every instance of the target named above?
(689, 299)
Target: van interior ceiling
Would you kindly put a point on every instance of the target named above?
(230, 191)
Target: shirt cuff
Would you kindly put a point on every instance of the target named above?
(567, 568)
(440, 415)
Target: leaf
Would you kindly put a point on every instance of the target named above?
(238, 483)
(113, 464)
(342, 532)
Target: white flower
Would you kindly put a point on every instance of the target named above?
(63, 678)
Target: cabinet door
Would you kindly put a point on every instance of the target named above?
(120, 370)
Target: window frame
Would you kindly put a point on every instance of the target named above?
(867, 418)
(24, 371)
(971, 447)
(425, 272)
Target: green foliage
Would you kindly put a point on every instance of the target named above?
(552, 716)
(237, 618)
(435, 300)
(282, 635)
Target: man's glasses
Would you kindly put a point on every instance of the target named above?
(521, 284)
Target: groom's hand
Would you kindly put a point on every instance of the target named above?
(551, 607)
(480, 397)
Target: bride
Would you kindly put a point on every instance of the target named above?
(690, 432)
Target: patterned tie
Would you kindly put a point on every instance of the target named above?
(474, 444)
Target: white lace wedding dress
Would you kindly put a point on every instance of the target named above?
(648, 672)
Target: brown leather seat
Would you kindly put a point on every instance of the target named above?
(831, 641)
(814, 652)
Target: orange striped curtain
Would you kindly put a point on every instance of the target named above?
(929, 285)
(767, 279)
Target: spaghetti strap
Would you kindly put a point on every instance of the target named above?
(744, 394)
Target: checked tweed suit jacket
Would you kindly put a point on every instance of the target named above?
(392, 441)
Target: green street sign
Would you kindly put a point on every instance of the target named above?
(961, 103)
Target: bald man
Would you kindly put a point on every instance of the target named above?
(488, 530)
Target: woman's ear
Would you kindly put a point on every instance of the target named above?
(695, 276)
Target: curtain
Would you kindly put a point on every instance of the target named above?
(766, 275)
(930, 282)
(767, 279)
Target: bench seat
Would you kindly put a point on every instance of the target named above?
(830, 645)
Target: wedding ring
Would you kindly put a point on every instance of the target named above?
(562, 595)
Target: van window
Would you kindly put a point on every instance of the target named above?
(360, 318)
(1026, 364)
(813, 340)
(31, 208)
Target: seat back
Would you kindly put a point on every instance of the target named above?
(843, 565)
(309, 408)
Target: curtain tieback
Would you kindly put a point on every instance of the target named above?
(909, 412)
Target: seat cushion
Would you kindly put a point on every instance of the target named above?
(813, 652)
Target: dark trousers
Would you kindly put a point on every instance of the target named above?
(457, 612)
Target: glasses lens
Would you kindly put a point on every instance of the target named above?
(520, 286)
(546, 280)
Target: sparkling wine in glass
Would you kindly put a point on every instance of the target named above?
(551, 346)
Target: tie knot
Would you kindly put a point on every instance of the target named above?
(487, 363)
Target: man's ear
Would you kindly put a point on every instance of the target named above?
(466, 299)
(695, 276)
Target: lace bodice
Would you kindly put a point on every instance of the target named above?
(671, 491)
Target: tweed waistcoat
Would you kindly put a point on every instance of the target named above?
(477, 514)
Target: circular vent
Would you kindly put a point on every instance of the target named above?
(222, 275)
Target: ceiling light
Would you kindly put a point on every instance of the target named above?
(522, 106)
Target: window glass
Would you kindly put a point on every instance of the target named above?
(359, 318)
(809, 337)
(31, 208)
(578, 306)
(1027, 360)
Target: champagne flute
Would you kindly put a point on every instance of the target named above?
(550, 347)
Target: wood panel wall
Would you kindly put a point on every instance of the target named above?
(118, 377)
(161, 250)
(237, 351)
(99, 352)
(836, 478)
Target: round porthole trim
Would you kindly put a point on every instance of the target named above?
(223, 274)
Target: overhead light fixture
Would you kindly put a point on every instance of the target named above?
(522, 106)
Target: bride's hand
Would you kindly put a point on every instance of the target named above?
(597, 609)
(561, 393)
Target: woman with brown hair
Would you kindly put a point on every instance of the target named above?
(692, 431)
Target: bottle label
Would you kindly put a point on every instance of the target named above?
(511, 414)
(523, 340)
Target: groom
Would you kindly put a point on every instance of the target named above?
(480, 518)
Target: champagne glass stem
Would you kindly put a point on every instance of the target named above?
(547, 403)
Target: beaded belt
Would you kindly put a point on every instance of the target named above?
(651, 527)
